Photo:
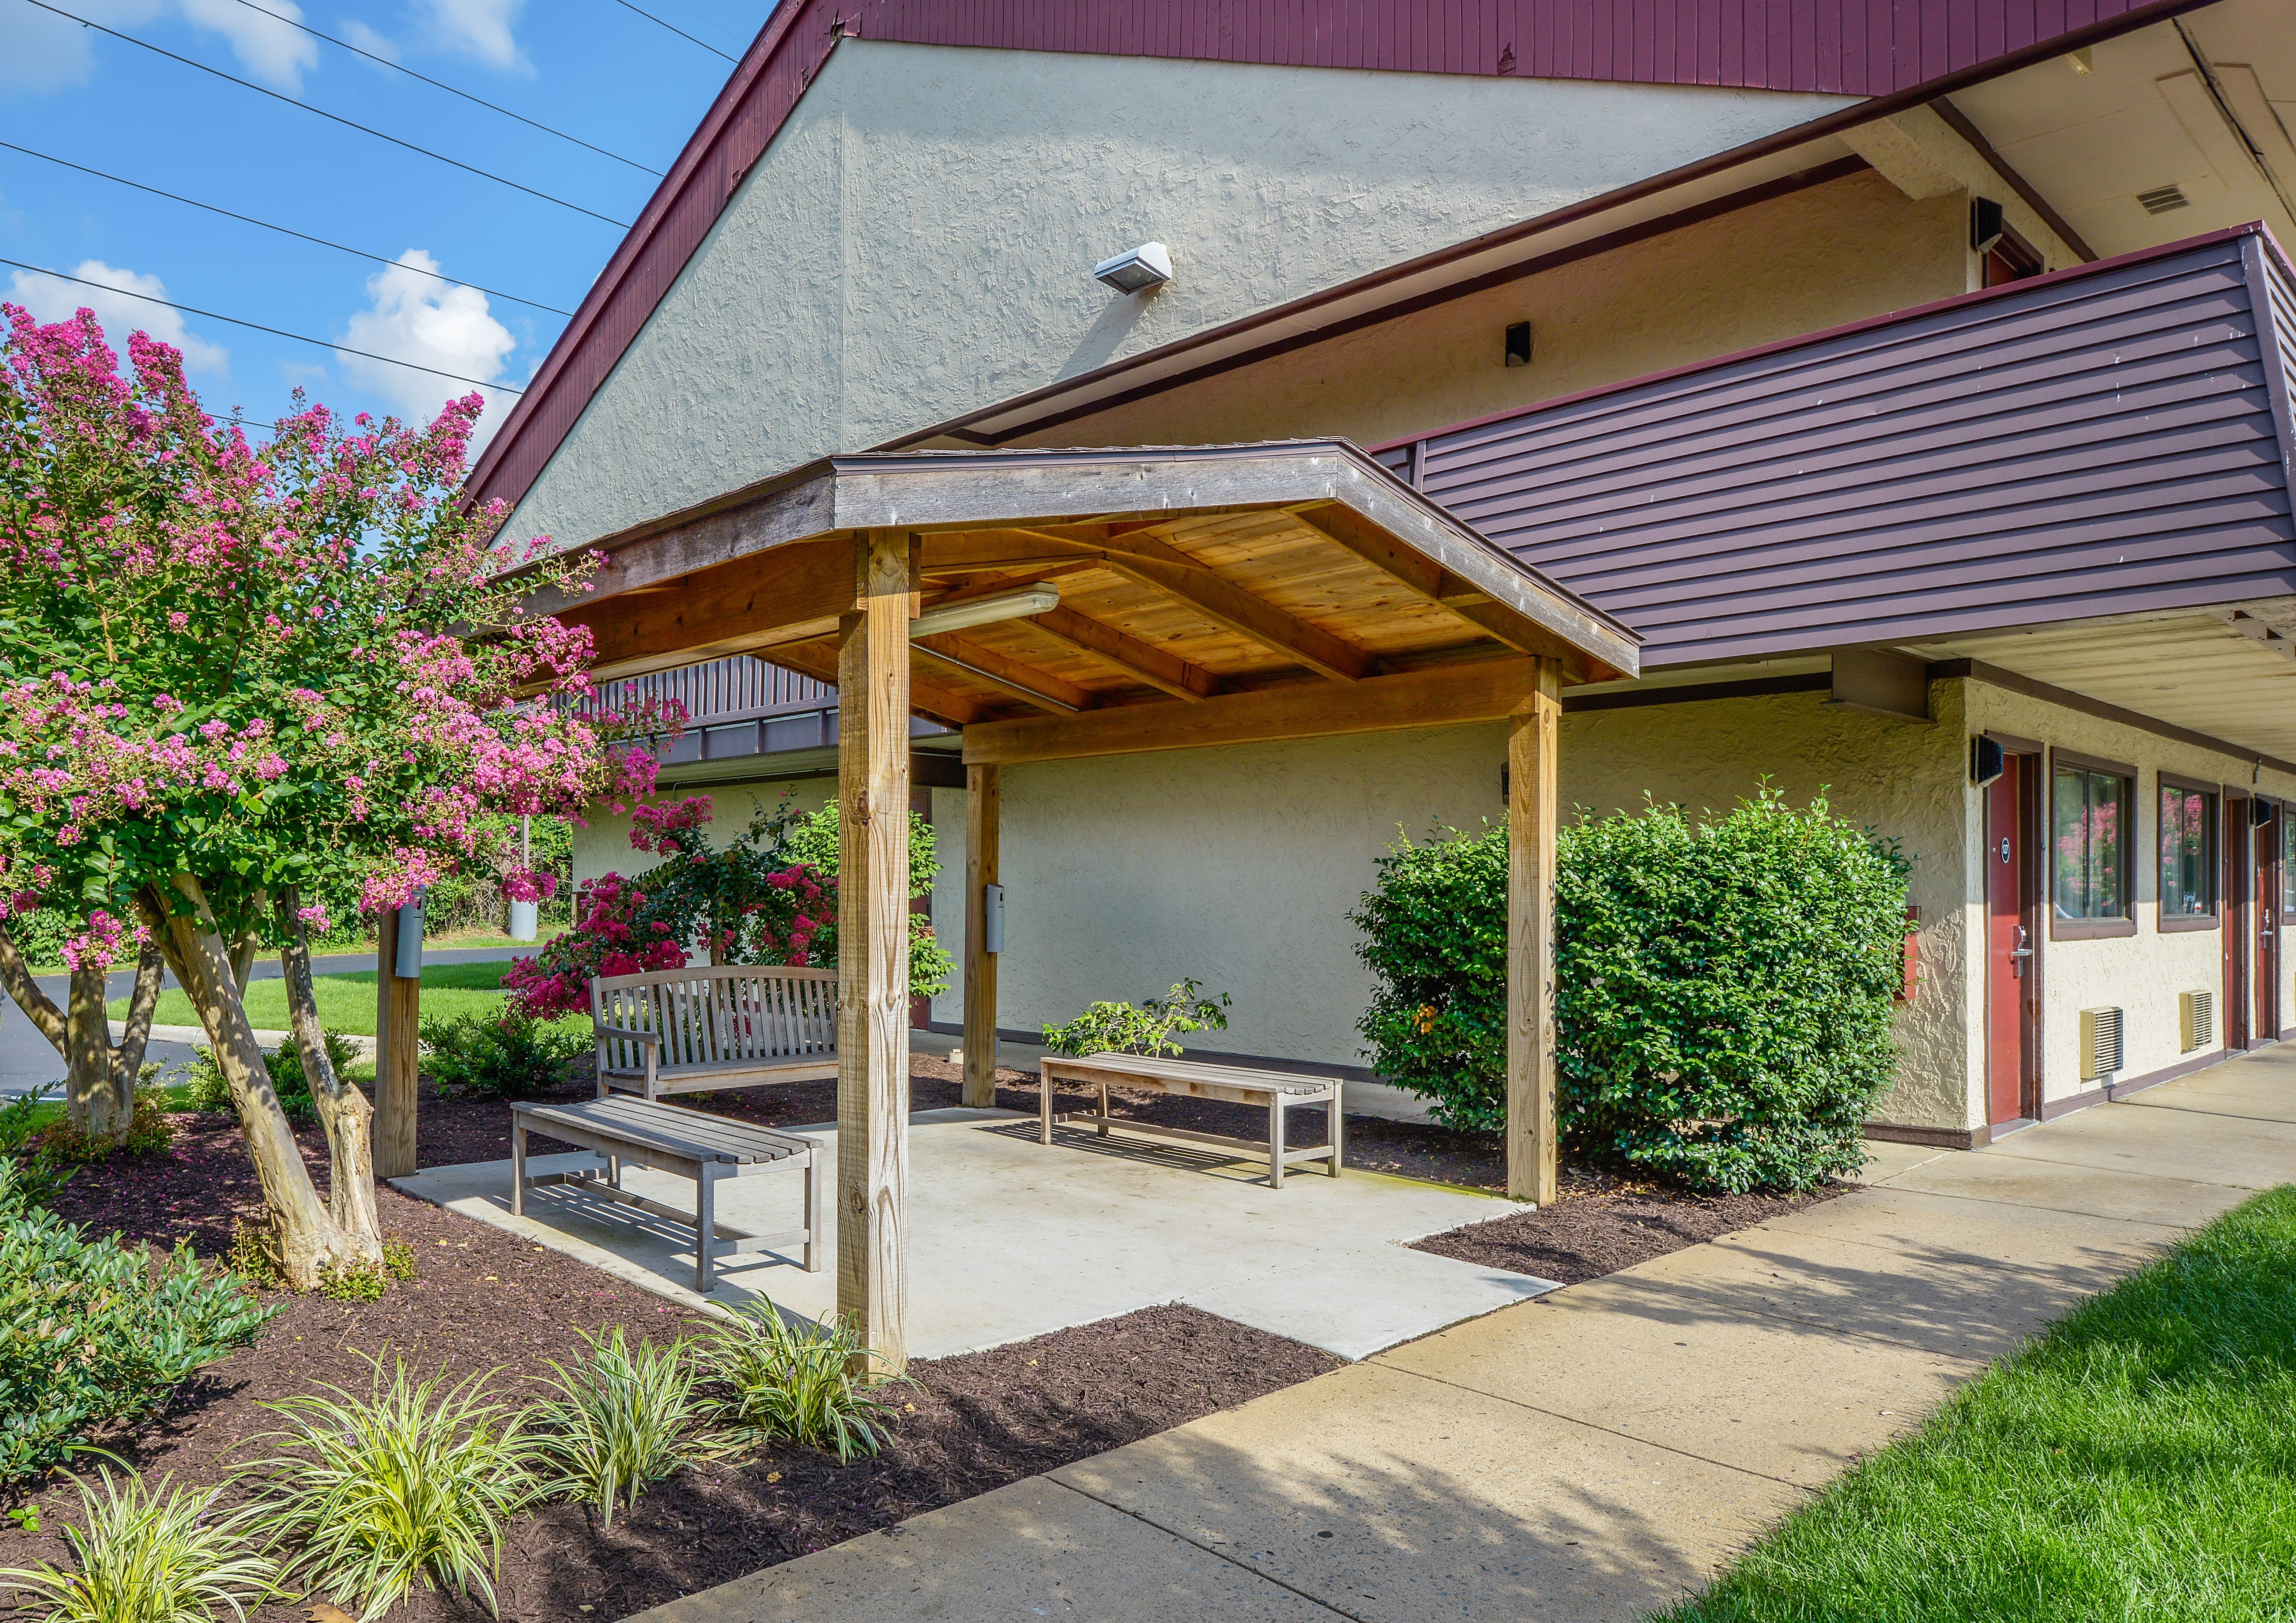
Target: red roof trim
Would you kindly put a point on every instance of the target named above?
(1865, 324)
(1805, 46)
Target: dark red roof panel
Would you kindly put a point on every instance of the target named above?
(1854, 48)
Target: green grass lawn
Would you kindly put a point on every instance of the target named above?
(2137, 1462)
(346, 1002)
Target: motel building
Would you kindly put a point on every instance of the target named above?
(1273, 414)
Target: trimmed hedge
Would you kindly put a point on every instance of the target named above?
(1725, 989)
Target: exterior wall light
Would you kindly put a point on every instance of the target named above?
(986, 610)
(1148, 266)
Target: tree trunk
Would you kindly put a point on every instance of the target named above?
(344, 1111)
(305, 1240)
(100, 1086)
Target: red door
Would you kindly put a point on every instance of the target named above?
(2267, 920)
(2009, 945)
(2239, 919)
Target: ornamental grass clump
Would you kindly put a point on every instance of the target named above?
(624, 1417)
(803, 1383)
(148, 1553)
(410, 1483)
(1725, 989)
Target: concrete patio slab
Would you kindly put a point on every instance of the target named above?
(1735, 1387)
(2268, 1095)
(1033, 1550)
(2125, 1139)
(1918, 1296)
(1885, 1159)
(1387, 1496)
(2137, 1197)
(1010, 1239)
(1958, 1229)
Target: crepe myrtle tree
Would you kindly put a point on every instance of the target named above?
(243, 686)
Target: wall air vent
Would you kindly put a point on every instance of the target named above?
(2164, 200)
(2100, 1044)
(2196, 1019)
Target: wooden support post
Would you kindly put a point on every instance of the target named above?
(981, 792)
(1532, 743)
(397, 1018)
(872, 946)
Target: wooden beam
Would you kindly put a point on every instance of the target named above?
(1486, 690)
(1533, 736)
(397, 1024)
(1024, 681)
(983, 804)
(872, 951)
(1224, 603)
(926, 698)
(1144, 661)
(785, 595)
(1345, 528)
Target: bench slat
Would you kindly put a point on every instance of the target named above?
(679, 1132)
(1157, 1067)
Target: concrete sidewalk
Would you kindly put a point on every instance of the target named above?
(1596, 1452)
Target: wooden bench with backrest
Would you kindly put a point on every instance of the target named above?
(1276, 1092)
(690, 1030)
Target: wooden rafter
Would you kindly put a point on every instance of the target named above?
(1023, 680)
(1143, 662)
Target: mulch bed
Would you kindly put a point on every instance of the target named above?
(489, 1301)
(486, 1300)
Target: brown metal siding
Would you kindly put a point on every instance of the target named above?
(2101, 441)
(1854, 48)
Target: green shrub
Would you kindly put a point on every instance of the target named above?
(410, 1483)
(502, 1056)
(149, 1130)
(1119, 1027)
(27, 1177)
(797, 1384)
(1723, 991)
(93, 1332)
(149, 1553)
(624, 1417)
(205, 1089)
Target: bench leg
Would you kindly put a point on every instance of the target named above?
(1275, 1143)
(1044, 1102)
(705, 1227)
(1335, 1133)
(518, 1166)
(812, 1181)
(1102, 1128)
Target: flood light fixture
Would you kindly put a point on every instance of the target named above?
(1148, 266)
(986, 611)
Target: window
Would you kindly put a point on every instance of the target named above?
(2188, 853)
(2090, 803)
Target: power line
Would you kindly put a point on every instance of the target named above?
(258, 327)
(324, 113)
(673, 28)
(449, 89)
(282, 230)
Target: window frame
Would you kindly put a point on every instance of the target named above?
(2124, 924)
(2213, 919)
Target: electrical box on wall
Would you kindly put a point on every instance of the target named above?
(407, 966)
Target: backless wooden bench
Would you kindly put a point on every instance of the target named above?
(701, 1147)
(1278, 1091)
(683, 1031)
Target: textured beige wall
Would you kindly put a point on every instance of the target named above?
(1837, 253)
(2142, 973)
(919, 238)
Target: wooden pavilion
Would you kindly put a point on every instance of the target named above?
(1061, 604)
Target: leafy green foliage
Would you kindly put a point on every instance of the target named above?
(2135, 1461)
(409, 1484)
(205, 1089)
(501, 1055)
(624, 1417)
(1724, 993)
(27, 1177)
(1120, 1028)
(92, 1331)
(796, 1383)
(149, 1130)
(149, 1553)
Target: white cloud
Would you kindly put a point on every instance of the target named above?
(52, 300)
(40, 51)
(418, 317)
(273, 51)
(478, 28)
(367, 39)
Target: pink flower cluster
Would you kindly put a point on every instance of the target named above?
(655, 827)
(606, 940)
(99, 945)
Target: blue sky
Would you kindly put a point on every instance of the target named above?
(593, 69)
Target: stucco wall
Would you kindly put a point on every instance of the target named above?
(919, 238)
(1836, 253)
(2141, 974)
